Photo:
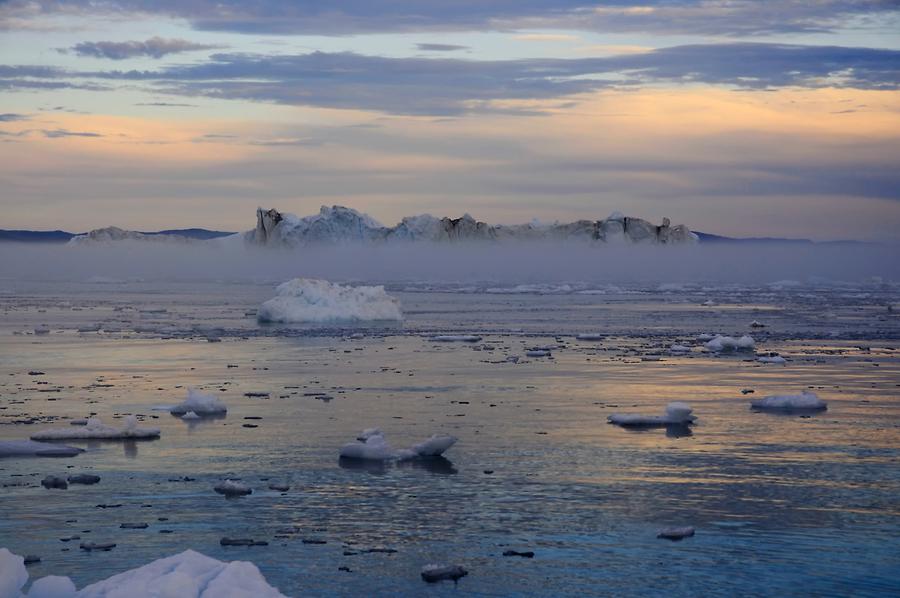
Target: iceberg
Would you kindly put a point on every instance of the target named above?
(319, 301)
(200, 404)
(97, 430)
(339, 224)
(186, 575)
(805, 401)
(677, 413)
(721, 344)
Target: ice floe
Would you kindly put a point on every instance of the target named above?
(319, 301)
(435, 573)
(232, 488)
(455, 338)
(95, 429)
(372, 446)
(805, 401)
(677, 413)
(771, 359)
(185, 575)
(199, 404)
(721, 344)
(23, 448)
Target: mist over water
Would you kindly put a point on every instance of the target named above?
(232, 260)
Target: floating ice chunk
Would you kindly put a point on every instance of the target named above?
(537, 353)
(22, 448)
(589, 336)
(232, 488)
(96, 429)
(678, 349)
(200, 404)
(757, 324)
(434, 446)
(190, 415)
(705, 337)
(675, 533)
(42, 329)
(772, 359)
(677, 413)
(371, 445)
(805, 401)
(435, 573)
(727, 343)
(455, 338)
(319, 301)
(374, 448)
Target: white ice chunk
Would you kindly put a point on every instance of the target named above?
(727, 343)
(374, 448)
(96, 429)
(21, 448)
(677, 413)
(190, 415)
(434, 446)
(52, 586)
(13, 574)
(319, 301)
(805, 401)
(772, 359)
(371, 445)
(232, 488)
(676, 349)
(200, 404)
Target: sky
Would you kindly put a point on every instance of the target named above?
(736, 117)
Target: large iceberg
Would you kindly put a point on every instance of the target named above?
(186, 575)
(319, 301)
(339, 224)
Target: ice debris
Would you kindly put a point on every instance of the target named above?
(232, 488)
(371, 445)
(728, 343)
(200, 404)
(95, 429)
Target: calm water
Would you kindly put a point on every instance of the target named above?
(782, 505)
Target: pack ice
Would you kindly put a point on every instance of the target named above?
(186, 575)
(319, 301)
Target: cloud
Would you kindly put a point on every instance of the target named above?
(547, 37)
(12, 117)
(708, 17)
(450, 86)
(57, 133)
(155, 47)
(440, 47)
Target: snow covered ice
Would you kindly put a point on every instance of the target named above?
(185, 575)
(677, 413)
(97, 430)
(372, 446)
(805, 401)
(319, 301)
(199, 404)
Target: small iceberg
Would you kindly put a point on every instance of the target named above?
(679, 349)
(436, 573)
(232, 488)
(372, 446)
(677, 414)
(97, 430)
(200, 404)
(721, 344)
(805, 401)
(319, 301)
(186, 575)
(32, 448)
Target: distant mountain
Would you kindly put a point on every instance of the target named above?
(61, 236)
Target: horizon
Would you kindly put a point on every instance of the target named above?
(742, 122)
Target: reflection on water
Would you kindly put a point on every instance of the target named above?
(782, 505)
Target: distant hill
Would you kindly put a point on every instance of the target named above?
(61, 236)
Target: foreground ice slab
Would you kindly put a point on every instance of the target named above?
(200, 404)
(23, 448)
(677, 413)
(372, 446)
(805, 401)
(186, 575)
(97, 430)
(319, 301)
